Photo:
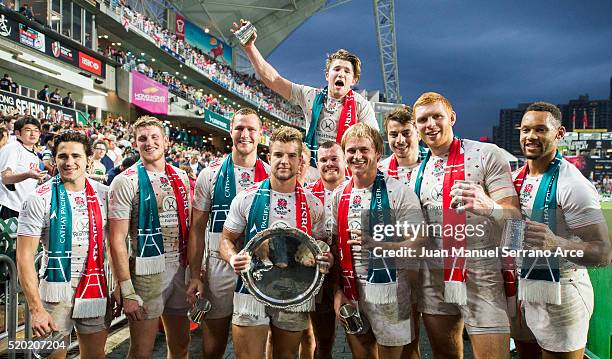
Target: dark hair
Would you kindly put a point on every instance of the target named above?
(72, 136)
(128, 162)
(26, 120)
(401, 114)
(3, 130)
(547, 107)
(329, 144)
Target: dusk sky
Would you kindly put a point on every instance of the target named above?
(482, 55)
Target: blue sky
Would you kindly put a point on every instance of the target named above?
(482, 55)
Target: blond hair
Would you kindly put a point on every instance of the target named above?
(363, 130)
(342, 54)
(287, 134)
(245, 111)
(429, 98)
(145, 121)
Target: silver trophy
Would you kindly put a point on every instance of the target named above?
(351, 319)
(199, 309)
(514, 233)
(285, 267)
(245, 33)
(462, 203)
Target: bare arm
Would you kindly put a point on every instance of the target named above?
(8, 177)
(264, 70)
(28, 279)
(227, 247)
(195, 245)
(118, 231)
(594, 243)
(42, 323)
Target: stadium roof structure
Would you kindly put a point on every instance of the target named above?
(275, 20)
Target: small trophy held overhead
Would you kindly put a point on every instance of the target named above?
(246, 31)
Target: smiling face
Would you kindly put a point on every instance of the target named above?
(403, 138)
(361, 155)
(331, 164)
(29, 134)
(539, 135)
(71, 161)
(340, 77)
(246, 131)
(435, 124)
(151, 144)
(285, 160)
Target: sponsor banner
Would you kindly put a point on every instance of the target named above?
(90, 64)
(10, 101)
(176, 55)
(180, 27)
(31, 38)
(148, 94)
(210, 45)
(61, 50)
(214, 119)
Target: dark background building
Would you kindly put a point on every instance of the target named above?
(580, 113)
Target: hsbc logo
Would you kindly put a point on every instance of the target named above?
(90, 64)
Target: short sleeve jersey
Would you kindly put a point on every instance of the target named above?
(484, 165)
(282, 211)
(205, 190)
(124, 203)
(34, 221)
(18, 159)
(404, 205)
(577, 201)
(304, 97)
(403, 173)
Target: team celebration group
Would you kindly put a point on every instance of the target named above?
(165, 250)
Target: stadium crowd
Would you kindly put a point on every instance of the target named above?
(243, 85)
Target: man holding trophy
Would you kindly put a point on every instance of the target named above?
(330, 111)
(564, 215)
(278, 202)
(460, 183)
(215, 189)
(372, 287)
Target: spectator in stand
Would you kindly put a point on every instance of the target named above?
(96, 169)
(113, 153)
(192, 180)
(14, 86)
(26, 11)
(56, 97)
(4, 136)
(19, 167)
(47, 157)
(68, 101)
(43, 94)
(125, 164)
(5, 83)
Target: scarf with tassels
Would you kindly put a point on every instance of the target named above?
(381, 283)
(55, 286)
(540, 276)
(348, 117)
(455, 289)
(225, 191)
(150, 244)
(258, 220)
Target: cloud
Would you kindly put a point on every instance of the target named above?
(482, 55)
